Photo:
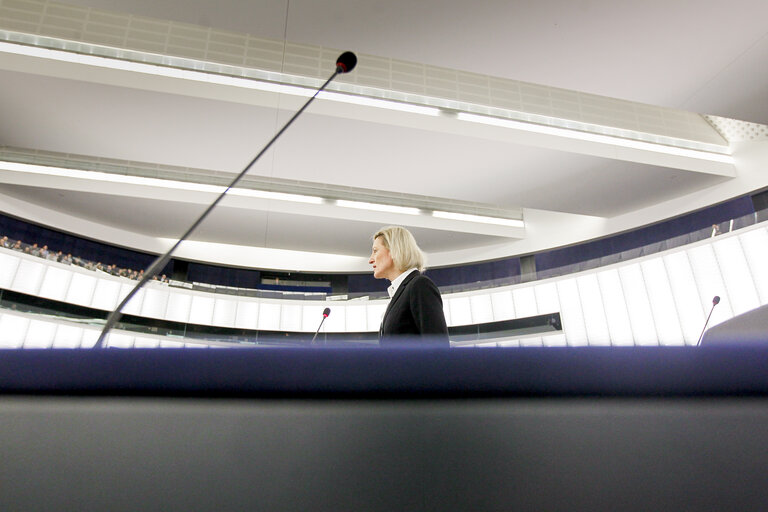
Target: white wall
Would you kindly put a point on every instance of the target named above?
(659, 299)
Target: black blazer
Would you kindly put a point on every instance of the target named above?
(415, 313)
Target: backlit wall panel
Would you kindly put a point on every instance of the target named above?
(662, 302)
(8, 265)
(14, 329)
(525, 301)
(737, 277)
(658, 299)
(40, 334)
(224, 312)
(683, 286)
(638, 305)
(617, 316)
(135, 304)
(571, 313)
(755, 244)
(29, 276)
(201, 310)
(709, 282)
(106, 294)
(155, 303)
(178, 307)
(55, 283)
(593, 309)
(81, 289)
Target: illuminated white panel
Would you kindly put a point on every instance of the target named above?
(337, 321)
(662, 302)
(447, 312)
(638, 305)
(546, 298)
(13, 329)
(291, 317)
(269, 316)
(134, 305)
(224, 312)
(570, 312)
(482, 310)
(155, 303)
(709, 282)
(508, 343)
(201, 309)
(755, 245)
(90, 337)
(736, 274)
(55, 283)
(311, 318)
(29, 277)
(616, 313)
(119, 340)
(81, 289)
(554, 340)
(247, 316)
(593, 310)
(68, 336)
(460, 312)
(356, 320)
(686, 295)
(145, 342)
(106, 294)
(531, 342)
(525, 302)
(375, 315)
(171, 344)
(179, 305)
(503, 307)
(8, 266)
(195, 345)
(40, 334)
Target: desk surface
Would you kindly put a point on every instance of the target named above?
(396, 372)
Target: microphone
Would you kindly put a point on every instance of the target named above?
(715, 302)
(326, 312)
(344, 64)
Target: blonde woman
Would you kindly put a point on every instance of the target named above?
(415, 311)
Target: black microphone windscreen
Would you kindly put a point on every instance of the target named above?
(326, 312)
(346, 62)
(716, 300)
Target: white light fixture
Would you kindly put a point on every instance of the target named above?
(479, 218)
(155, 182)
(595, 137)
(377, 207)
(375, 102)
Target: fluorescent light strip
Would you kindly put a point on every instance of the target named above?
(375, 102)
(479, 219)
(155, 182)
(377, 207)
(594, 137)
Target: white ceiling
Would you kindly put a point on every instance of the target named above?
(702, 56)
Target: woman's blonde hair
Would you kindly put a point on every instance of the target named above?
(402, 247)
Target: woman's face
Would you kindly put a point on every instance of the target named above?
(381, 259)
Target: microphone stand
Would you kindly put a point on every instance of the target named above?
(715, 302)
(161, 261)
(318, 330)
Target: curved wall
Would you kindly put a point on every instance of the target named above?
(659, 299)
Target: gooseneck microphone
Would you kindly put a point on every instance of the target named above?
(715, 302)
(345, 63)
(326, 312)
